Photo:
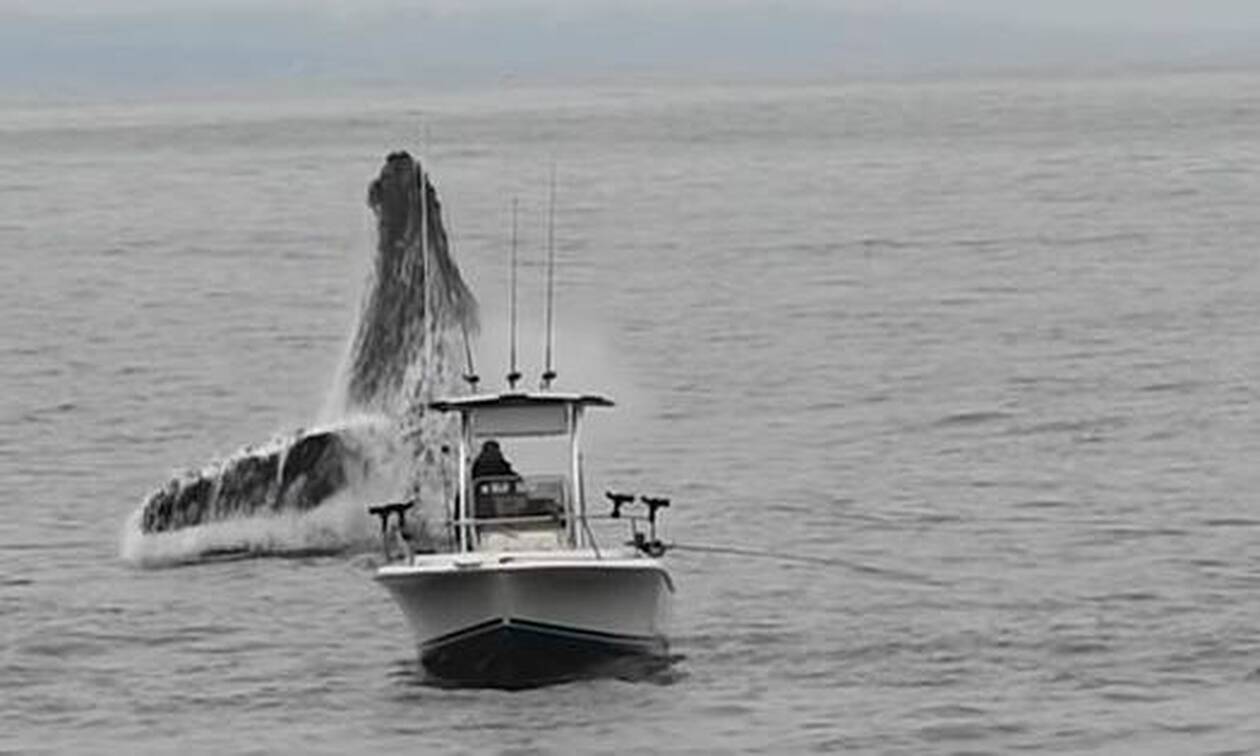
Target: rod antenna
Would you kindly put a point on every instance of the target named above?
(471, 376)
(549, 374)
(513, 375)
(426, 270)
(470, 372)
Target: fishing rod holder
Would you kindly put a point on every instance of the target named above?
(395, 512)
(618, 500)
(647, 542)
(653, 503)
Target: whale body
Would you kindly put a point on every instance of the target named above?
(400, 354)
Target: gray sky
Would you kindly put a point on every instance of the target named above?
(1099, 14)
(141, 44)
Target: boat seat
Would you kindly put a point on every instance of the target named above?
(537, 500)
(499, 496)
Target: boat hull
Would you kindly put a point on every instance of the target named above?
(514, 653)
(516, 621)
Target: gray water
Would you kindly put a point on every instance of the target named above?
(996, 334)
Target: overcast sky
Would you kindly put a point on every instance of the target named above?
(142, 43)
(1099, 14)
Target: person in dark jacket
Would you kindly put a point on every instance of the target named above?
(490, 462)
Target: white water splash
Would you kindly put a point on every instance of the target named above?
(338, 524)
(407, 349)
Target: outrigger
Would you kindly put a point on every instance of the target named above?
(526, 595)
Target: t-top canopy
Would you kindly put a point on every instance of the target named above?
(519, 399)
(519, 414)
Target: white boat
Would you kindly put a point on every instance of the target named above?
(526, 595)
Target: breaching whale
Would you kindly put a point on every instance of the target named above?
(415, 308)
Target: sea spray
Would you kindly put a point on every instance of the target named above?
(307, 491)
(379, 466)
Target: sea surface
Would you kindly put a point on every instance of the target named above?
(991, 343)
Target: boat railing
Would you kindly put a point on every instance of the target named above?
(517, 520)
(646, 542)
(643, 534)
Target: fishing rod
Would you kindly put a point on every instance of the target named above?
(652, 546)
(549, 374)
(513, 375)
(471, 376)
(427, 270)
(803, 559)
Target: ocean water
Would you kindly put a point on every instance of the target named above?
(993, 339)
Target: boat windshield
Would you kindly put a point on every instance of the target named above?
(519, 478)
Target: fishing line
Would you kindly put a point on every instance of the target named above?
(805, 559)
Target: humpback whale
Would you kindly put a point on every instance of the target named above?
(416, 306)
(398, 318)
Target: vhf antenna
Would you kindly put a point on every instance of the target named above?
(426, 270)
(470, 376)
(549, 374)
(514, 375)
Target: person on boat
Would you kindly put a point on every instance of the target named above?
(490, 462)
